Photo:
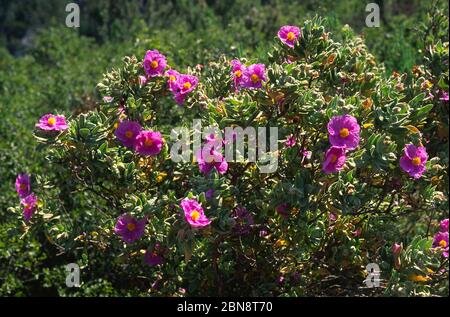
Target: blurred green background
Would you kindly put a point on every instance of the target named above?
(48, 67)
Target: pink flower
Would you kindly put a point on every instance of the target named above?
(307, 154)
(194, 213)
(440, 241)
(154, 63)
(29, 206)
(444, 96)
(23, 185)
(127, 131)
(142, 80)
(129, 228)
(254, 75)
(290, 142)
(208, 158)
(183, 86)
(148, 143)
(237, 72)
(50, 122)
(443, 225)
(289, 34)
(344, 131)
(334, 160)
(172, 79)
(397, 248)
(108, 99)
(414, 160)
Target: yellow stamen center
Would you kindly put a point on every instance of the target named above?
(23, 186)
(195, 215)
(344, 132)
(172, 78)
(238, 73)
(416, 161)
(186, 85)
(154, 64)
(26, 206)
(131, 226)
(255, 78)
(51, 121)
(333, 158)
(129, 134)
(290, 36)
(148, 142)
(443, 243)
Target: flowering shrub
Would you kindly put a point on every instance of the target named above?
(355, 167)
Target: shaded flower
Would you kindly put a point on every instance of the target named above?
(254, 75)
(29, 206)
(50, 122)
(148, 142)
(194, 214)
(283, 210)
(129, 228)
(154, 63)
(440, 242)
(183, 86)
(127, 131)
(154, 258)
(443, 225)
(209, 194)
(289, 34)
(243, 218)
(444, 96)
(414, 160)
(237, 72)
(334, 160)
(344, 131)
(23, 185)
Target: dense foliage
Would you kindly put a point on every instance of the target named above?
(295, 232)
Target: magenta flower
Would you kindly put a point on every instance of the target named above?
(344, 131)
(334, 160)
(129, 228)
(154, 63)
(194, 213)
(127, 131)
(290, 142)
(50, 122)
(237, 72)
(209, 194)
(444, 96)
(183, 86)
(29, 206)
(289, 34)
(23, 185)
(172, 80)
(440, 241)
(254, 75)
(153, 258)
(208, 158)
(414, 160)
(443, 225)
(307, 154)
(148, 143)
